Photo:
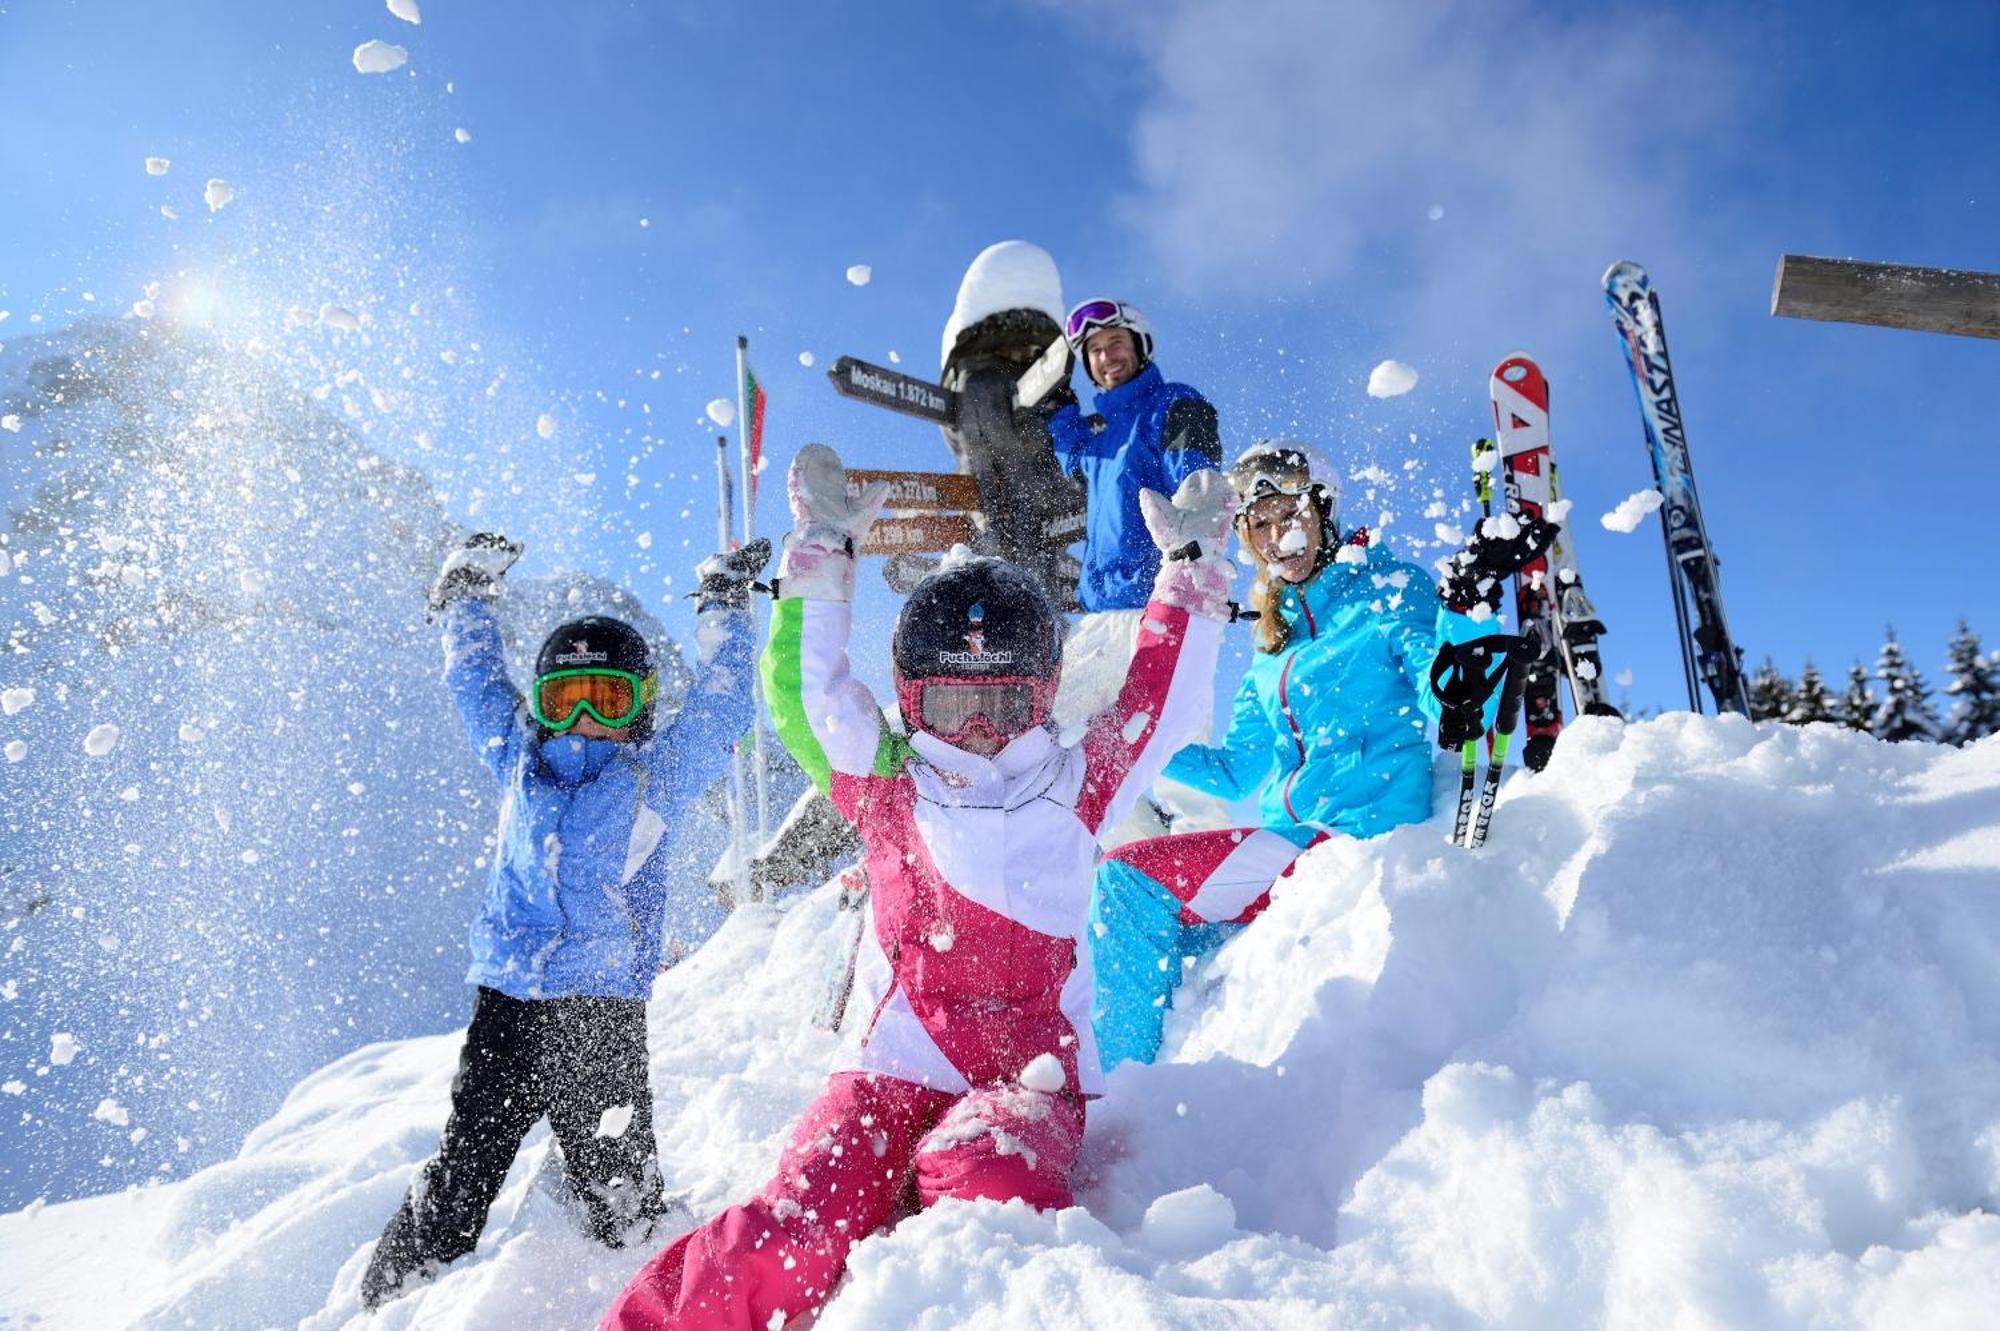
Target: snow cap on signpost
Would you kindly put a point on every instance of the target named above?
(1012, 275)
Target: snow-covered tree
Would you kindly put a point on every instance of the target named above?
(1857, 704)
(1974, 689)
(1813, 701)
(1905, 711)
(1771, 694)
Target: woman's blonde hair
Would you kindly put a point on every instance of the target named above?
(1272, 631)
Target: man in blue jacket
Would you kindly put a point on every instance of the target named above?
(566, 947)
(1147, 434)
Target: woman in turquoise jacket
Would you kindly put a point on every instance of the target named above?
(1328, 728)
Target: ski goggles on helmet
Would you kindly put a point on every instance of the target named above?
(1270, 471)
(948, 707)
(612, 698)
(1091, 316)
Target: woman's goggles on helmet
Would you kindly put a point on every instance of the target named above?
(1277, 471)
(612, 698)
(1090, 316)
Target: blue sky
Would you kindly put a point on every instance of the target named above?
(643, 182)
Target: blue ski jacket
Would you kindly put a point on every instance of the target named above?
(1155, 434)
(1332, 727)
(579, 902)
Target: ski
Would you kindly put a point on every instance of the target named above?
(1497, 740)
(1707, 649)
(1039, 380)
(1549, 589)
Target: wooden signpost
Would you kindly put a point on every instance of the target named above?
(1888, 295)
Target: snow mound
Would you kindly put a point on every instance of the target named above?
(1012, 275)
(1708, 1034)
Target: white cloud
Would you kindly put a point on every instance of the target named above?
(1534, 121)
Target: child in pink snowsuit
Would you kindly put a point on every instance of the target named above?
(979, 833)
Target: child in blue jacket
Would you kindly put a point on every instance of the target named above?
(574, 925)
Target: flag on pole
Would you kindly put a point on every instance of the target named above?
(753, 429)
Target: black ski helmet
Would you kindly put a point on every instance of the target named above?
(603, 642)
(978, 618)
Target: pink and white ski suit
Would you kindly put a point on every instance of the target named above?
(975, 977)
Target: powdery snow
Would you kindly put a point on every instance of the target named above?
(1708, 1034)
(1012, 275)
(1632, 510)
(379, 57)
(217, 194)
(406, 10)
(545, 426)
(722, 411)
(806, 359)
(16, 750)
(101, 740)
(1391, 378)
(157, 166)
(462, 135)
(15, 699)
(62, 1049)
(859, 274)
(339, 316)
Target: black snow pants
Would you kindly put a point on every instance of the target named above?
(571, 1059)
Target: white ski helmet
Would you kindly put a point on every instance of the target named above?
(1098, 313)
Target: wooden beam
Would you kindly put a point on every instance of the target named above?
(1888, 295)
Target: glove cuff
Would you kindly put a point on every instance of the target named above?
(818, 564)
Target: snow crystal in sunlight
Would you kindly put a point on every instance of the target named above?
(62, 1049)
(16, 750)
(806, 359)
(378, 57)
(545, 425)
(101, 740)
(217, 194)
(1632, 510)
(1391, 378)
(157, 166)
(722, 411)
(16, 699)
(10, 423)
(859, 274)
(462, 135)
(406, 10)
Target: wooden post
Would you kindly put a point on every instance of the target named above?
(1889, 295)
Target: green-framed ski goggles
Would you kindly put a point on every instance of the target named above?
(612, 698)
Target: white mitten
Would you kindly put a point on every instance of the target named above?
(827, 524)
(1192, 531)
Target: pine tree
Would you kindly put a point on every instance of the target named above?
(1813, 702)
(1771, 694)
(1905, 711)
(1857, 705)
(1974, 687)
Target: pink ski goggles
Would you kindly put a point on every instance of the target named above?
(948, 708)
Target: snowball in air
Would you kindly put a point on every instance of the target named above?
(378, 57)
(157, 166)
(859, 274)
(217, 194)
(16, 750)
(462, 135)
(13, 700)
(110, 1111)
(406, 10)
(62, 1049)
(545, 426)
(722, 411)
(1391, 378)
(167, 211)
(806, 359)
(10, 423)
(1632, 510)
(102, 739)
(339, 316)
(614, 1121)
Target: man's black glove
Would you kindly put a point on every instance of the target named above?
(1497, 550)
(1040, 413)
(726, 579)
(473, 568)
(1462, 678)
